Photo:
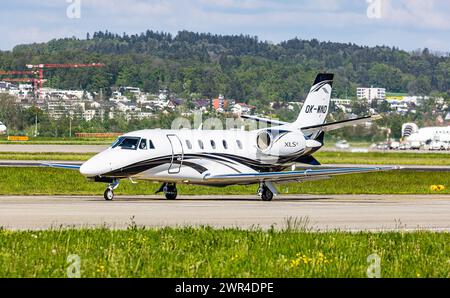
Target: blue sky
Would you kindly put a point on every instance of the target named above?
(407, 24)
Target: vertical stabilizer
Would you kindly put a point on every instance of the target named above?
(317, 103)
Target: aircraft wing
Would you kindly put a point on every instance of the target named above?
(339, 124)
(62, 166)
(300, 176)
(264, 120)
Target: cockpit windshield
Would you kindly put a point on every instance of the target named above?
(130, 143)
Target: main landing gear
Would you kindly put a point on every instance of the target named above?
(169, 189)
(109, 192)
(265, 193)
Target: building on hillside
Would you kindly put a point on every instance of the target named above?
(88, 115)
(222, 103)
(58, 109)
(370, 94)
(242, 108)
(342, 104)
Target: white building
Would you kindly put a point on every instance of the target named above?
(343, 104)
(88, 115)
(371, 94)
(340, 101)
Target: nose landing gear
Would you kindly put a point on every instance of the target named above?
(109, 192)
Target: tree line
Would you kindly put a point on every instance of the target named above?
(240, 66)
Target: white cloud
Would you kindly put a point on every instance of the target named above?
(27, 35)
(430, 14)
(343, 20)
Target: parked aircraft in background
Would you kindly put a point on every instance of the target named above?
(2, 129)
(225, 157)
(412, 133)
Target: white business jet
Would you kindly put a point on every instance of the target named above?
(225, 157)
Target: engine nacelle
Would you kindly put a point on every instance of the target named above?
(280, 143)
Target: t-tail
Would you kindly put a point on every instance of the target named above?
(317, 103)
(312, 117)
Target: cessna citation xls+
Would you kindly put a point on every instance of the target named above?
(225, 157)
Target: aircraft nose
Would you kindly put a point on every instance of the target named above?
(94, 167)
(98, 165)
(88, 169)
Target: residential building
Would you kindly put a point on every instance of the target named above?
(370, 94)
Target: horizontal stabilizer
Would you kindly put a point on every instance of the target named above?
(313, 144)
(339, 124)
(264, 120)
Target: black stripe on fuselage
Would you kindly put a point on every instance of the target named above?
(148, 164)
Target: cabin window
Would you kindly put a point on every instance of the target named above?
(188, 144)
(143, 144)
(213, 144)
(151, 145)
(225, 145)
(239, 144)
(129, 143)
(200, 144)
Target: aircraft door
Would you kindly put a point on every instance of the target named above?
(177, 154)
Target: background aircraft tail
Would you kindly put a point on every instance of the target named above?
(317, 103)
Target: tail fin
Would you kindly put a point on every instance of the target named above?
(317, 103)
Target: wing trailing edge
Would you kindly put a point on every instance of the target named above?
(304, 175)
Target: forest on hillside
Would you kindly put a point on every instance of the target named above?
(195, 65)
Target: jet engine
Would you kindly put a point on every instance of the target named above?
(280, 143)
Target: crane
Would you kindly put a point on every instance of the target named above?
(20, 80)
(37, 70)
(17, 72)
(41, 67)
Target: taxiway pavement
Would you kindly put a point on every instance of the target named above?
(317, 212)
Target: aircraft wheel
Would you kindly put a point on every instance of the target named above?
(265, 194)
(170, 191)
(109, 194)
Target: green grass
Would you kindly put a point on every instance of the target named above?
(48, 181)
(205, 252)
(388, 158)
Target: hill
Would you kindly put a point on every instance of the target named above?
(242, 67)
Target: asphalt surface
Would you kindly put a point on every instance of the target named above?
(325, 212)
(29, 148)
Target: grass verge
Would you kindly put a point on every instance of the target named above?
(206, 252)
(48, 181)
(380, 158)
